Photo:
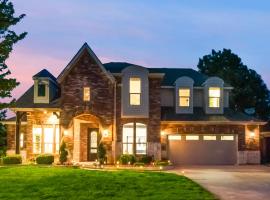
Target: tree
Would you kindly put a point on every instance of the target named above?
(249, 90)
(101, 153)
(63, 153)
(7, 39)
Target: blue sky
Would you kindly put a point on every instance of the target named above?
(150, 33)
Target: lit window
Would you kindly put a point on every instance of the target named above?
(174, 137)
(192, 137)
(227, 137)
(141, 133)
(37, 139)
(86, 93)
(21, 140)
(209, 137)
(135, 91)
(214, 97)
(128, 138)
(184, 97)
(41, 90)
(48, 140)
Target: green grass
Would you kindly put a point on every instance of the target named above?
(33, 182)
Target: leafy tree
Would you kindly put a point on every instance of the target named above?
(101, 153)
(7, 39)
(63, 153)
(249, 91)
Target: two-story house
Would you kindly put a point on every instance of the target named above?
(168, 113)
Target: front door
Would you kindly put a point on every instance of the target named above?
(93, 141)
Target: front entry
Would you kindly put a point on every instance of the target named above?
(93, 141)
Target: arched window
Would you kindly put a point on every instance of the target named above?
(134, 138)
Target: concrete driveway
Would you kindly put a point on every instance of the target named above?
(231, 182)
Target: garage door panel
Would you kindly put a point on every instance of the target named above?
(202, 152)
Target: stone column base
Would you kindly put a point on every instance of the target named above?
(154, 149)
(249, 157)
(22, 153)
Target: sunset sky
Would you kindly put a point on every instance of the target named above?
(150, 33)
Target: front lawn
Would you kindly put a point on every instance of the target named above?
(33, 182)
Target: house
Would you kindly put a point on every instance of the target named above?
(168, 113)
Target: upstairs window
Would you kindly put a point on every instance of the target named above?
(41, 90)
(86, 94)
(184, 97)
(214, 97)
(135, 91)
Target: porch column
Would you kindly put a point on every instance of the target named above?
(19, 116)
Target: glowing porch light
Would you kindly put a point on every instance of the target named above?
(161, 168)
(162, 133)
(105, 133)
(53, 119)
(252, 135)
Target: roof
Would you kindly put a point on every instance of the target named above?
(171, 74)
(229, 115)
(27, 101)
(44, 74)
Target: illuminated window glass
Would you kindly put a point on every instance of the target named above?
(37, 131)
(192, 137)
(141, 133)
(214, 97)
(48, 140)
(209, 137)
(128, 131)
(86, 93)
(174, 137)
(135, 91)
(184, 97)
(227, 137)
(21, 140)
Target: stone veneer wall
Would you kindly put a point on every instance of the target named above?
(153, 122)
(11, 129)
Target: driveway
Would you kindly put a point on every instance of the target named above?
(231, 182)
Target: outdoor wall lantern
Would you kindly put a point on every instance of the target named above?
(105, 133)
(251, 135)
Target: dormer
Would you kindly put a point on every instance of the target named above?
(45, 87)
(214, 95)
(184, 95)
(135, 92)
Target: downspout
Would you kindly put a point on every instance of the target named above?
(114, 135)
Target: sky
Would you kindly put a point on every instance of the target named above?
(152, 33)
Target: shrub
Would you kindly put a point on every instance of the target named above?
(125, 159)
(13, 159)
(63, 153)
(162, 163)
(46, 159)
(101, 153)
(146, 159)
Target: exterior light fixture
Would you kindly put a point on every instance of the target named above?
(162, 133)
(161, 168)
(117, 162)
(105, 133)
(252, 135)
(65, 132)
(128, 162)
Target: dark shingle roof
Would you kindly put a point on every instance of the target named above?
(168, 114)
(171, 74)
(27, 101)
(44, 74)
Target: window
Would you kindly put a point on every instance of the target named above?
(135, 91)
(21, 140)
(37, 139)
(41, 90)
(86, 93)
(129, 131)
(46, 139)
(192, 137)
(214, 97)
(174, 137)
(184, 97)
(128, 138)
(227, 137)
(141, 133)
(209, 137)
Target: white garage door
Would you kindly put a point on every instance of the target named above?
(203, 149)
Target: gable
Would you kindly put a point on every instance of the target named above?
(84, 49)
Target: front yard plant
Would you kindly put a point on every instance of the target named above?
(45, 159)
(12, 159)
(42, 182)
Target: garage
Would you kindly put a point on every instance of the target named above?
(203, 149)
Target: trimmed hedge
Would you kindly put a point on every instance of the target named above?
(126, 159)
(146, 159)
(46, 159)
(12, 159)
